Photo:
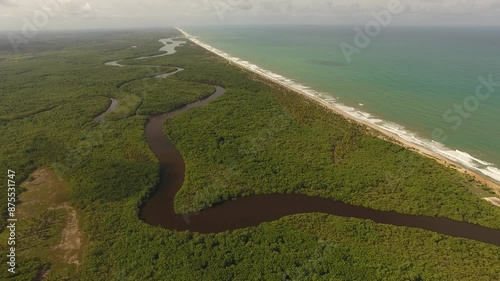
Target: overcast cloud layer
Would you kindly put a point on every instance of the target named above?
(81, 14)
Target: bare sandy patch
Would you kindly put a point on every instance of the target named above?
(71, 237)
(45, 191)
(495, 201)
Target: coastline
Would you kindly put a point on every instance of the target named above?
(312, 95)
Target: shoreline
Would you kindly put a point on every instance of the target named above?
(309, 94)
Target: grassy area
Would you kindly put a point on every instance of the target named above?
(127, 106)
(157, 98)
(49, 229)
(257, 138)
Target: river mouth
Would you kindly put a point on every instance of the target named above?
(250, 211)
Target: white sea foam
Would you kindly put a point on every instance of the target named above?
(492, 172)
(463, 158)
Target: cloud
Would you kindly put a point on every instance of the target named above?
(72, 13)
(495, 5)
(11, 3)
(451, 7)
(77, 8)
(256, 7)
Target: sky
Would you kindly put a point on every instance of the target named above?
(91, 14)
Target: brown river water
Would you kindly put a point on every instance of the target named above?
(256, 209)
(253, 210)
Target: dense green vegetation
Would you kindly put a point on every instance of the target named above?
(261, 139)
(257, 138)
(157, 98)
(46, 217)
(127, 106)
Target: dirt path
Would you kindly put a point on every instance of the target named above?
(71, 237)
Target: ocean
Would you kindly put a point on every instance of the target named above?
(436, 87)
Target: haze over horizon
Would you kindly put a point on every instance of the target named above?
(91, 14)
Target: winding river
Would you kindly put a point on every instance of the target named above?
(112, 107)
(253, 210)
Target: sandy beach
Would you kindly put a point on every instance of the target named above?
(312, 95)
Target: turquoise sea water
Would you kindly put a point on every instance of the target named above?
(411, 77)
